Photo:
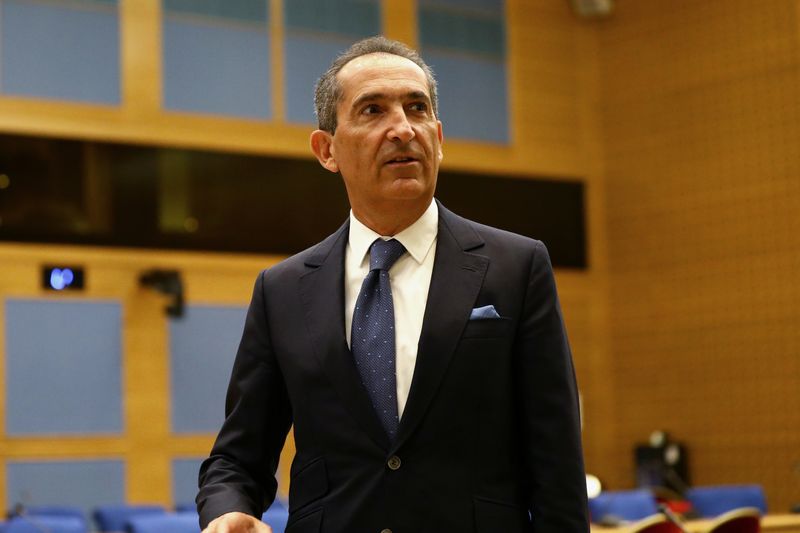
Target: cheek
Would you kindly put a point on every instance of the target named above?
(431, 135)
(343, 153)
(356, 151)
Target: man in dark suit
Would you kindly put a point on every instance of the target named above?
(420, 356)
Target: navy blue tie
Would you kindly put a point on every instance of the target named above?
(372, 336)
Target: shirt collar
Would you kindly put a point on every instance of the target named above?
(417, 238)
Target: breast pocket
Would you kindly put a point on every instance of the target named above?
(487, 328)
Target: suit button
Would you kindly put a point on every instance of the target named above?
(393, 464)
(386, 531)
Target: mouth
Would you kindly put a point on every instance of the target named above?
(401, 160)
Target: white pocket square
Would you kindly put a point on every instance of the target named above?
(481, 313)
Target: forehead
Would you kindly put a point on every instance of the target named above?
(382, 72)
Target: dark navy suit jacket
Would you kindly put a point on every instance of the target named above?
(490, 438)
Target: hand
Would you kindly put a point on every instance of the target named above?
(237, 523)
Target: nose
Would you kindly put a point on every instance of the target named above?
(400, 129)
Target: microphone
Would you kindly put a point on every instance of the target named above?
(672, 517)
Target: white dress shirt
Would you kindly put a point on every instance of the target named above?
(410, 278)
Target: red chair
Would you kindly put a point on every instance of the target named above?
(743, 520)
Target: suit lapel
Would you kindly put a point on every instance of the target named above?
(456, 280)
(322, 296)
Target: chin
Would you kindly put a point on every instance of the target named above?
(407, 189)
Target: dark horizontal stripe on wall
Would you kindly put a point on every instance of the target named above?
(236, 10)
(89, 3)
(484, 6)
(82, 4)
(462, 31)
(545, 209)
(353, 18)
(196, 200)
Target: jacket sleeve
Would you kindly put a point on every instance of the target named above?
(239, 474)
(548, 398)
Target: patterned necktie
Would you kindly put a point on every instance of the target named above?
(372, 336)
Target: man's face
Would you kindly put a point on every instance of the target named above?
(387, 144)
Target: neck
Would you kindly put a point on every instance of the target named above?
(390, 220)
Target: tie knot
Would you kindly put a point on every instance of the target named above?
(383, 254)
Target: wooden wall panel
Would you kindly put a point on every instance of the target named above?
(554, 76)
(701, 121)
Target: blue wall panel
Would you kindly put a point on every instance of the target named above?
(184, 479)
(480, 6)
(215, 66)
(83, 484)
(202, 348)
(352, 18)
(316, 32)
(307, 58)
(239, 10)
(64, 52)
(63, 367)
(473, 102)
(464, 42)
(463, 32)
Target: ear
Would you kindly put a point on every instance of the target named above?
(440, 134)
(322, 146)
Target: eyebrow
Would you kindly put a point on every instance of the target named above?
(371, 97)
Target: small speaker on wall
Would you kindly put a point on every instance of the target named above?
(167, 282)
(592, 8)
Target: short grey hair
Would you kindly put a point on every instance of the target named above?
(328, 91)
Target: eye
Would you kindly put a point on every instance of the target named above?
(371, 109)
(421, 107)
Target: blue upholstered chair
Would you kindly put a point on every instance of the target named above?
(620, 505)
(114, 517)
(51, 524)
(713, 501)
(184, 522)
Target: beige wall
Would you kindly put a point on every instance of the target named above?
(556, 131)
(701, 131)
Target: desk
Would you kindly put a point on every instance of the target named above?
(771, 523)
